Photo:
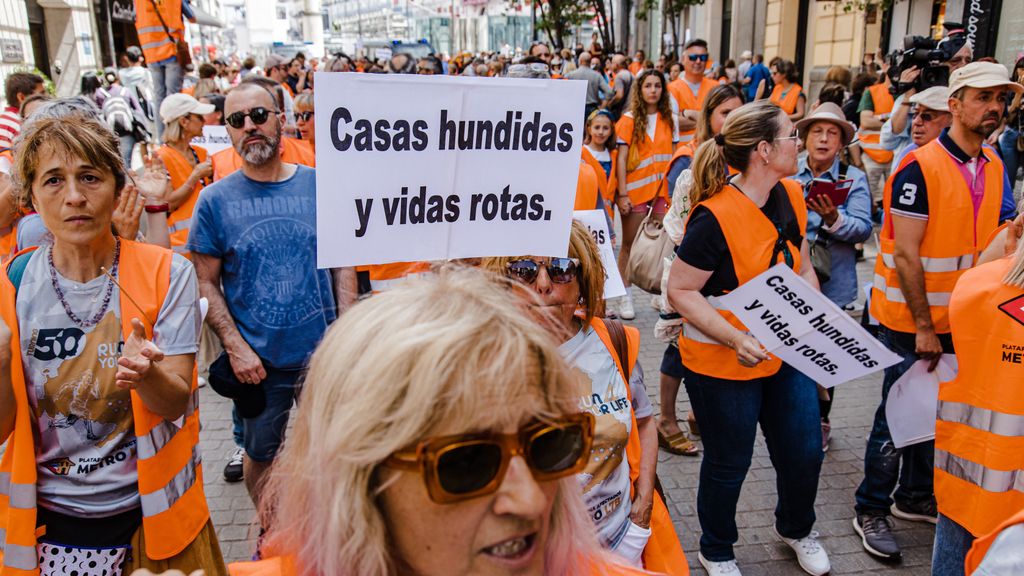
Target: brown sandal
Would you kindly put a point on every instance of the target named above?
(691, 421)
(677, 444)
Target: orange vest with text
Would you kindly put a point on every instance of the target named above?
(751, 239)
(587, 188)
(646, 180)
(606, 184)
(789, 101)
(292, 151)
(687, 100)
(870, 140)
(979, 432)
(179, 221)
(663, 553)
(951, 240)
(170, 470)
(979, 549)
(153, 39)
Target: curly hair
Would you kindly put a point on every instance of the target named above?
(638, 108)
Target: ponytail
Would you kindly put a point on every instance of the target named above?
(709, 170)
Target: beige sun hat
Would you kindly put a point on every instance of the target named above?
(935, 98)
(982, 75)
(828, 112)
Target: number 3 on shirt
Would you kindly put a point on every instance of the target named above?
(909, 194)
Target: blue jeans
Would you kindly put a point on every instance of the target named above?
(237, 429)
(882, 460)
(166, 81)
(728, 412)
(952, 542)
(127, 144)
(1009, 153)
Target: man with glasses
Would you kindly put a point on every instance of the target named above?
(929, 116)
(692, 87)
(942, 203)
(253, 242)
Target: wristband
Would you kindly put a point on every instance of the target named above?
(158, 208)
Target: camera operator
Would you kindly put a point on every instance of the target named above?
(956, 53)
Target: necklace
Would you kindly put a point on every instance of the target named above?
(106, 296)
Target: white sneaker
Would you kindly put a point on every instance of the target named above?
(201, 382)
(626, 311)
(809, 553)
(727, 568)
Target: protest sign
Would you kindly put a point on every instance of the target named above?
(797, 323)
(214, 139)
(413, 168)
(597, 223)
(914, 400)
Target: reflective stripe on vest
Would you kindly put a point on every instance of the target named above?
(387, 284)
(982, 477)
(870, 140)
(644, 182)
(148, 444)
(20, 495)
(982, 419)
(950, 264)
(636, 185)
(896, 294)
(180, 225)
(19, 557)
(161, 501)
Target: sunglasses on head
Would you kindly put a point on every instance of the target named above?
(466, 466)
(695, 57)
(560, 270)
(304, 116)
(258, 115)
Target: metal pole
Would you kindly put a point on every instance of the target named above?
(110, 35)
(451, 32)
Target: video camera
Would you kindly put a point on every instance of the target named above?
(930, 56)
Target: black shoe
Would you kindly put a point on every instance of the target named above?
(875, 533)
(233, 469)
(924, 511)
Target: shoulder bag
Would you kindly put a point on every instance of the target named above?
(647, 256)
(182, 52)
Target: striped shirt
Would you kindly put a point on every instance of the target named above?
(10, 125)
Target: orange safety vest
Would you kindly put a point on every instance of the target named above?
(292, 151)
(179, 221)
(979, 432)
(979, 549)
(153, 39)
(663, 553)
(870, 140)
(606, 185)
(751, 239)
(9, 244)
(687, 149)
(686, 99)
(951, 240)
(587, 188)
(635, 68)
(645, 181)
(384, 277)
(789, 101)
(170, 470)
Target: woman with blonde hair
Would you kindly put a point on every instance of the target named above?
(739, 227)
(565, 295)
(304, 118)
(438, 433)
(188, 166)
(647, 135)
(72, 394)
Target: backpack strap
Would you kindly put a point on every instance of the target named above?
(617, 333)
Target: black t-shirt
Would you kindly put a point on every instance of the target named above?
(704, 244)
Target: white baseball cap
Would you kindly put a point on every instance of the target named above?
(982, 75)
(935, 98)
(177, 105)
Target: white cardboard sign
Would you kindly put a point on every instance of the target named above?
(214, 139)
(797, 323)
(914, 399)
(414, 168)
(597, 223)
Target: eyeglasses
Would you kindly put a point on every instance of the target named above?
(695, 57)
(925, 116)
(258, 115)
(466, 466)
(795, 135)
(560, 270)
(304, 116)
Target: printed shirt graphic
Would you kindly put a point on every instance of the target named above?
(605, 480)
(265, 236)
(86, 457)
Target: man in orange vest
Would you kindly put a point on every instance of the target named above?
(979, 437)
(940, 206)
(874, 109)
(253, 242)
(691, 88)
(160, 26)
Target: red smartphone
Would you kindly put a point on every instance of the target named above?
(836, 191)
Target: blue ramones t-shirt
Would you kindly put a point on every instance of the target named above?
(265, 235)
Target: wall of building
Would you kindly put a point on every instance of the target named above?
(14, 38)
(780, 35)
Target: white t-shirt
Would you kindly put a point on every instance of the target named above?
(86, 456)
(605, 480)
(602, 155)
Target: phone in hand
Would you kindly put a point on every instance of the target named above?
(836, 191)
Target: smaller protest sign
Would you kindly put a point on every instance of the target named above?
(797, 323)
(383, 54)
(214, 139)
(597, 223)
(914, 399)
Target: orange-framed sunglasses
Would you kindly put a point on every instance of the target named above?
(464, 466)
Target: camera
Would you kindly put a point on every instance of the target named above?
(930, 56)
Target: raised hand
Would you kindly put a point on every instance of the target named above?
(137, 357)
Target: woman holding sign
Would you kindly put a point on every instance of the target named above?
(647, 138)
(740, 227)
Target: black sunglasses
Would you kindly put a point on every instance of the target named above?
(258, 115)
(304, 116)
(695, 57)
(560, 270)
